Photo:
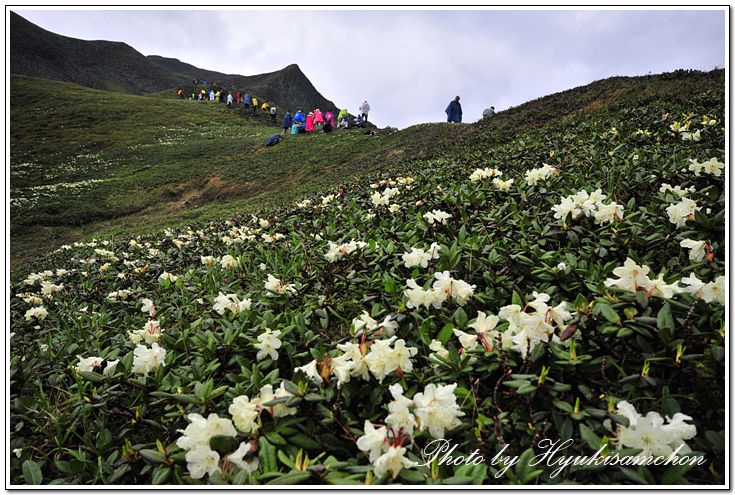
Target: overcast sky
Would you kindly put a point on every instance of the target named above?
(409, 64)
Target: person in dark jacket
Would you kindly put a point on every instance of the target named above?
(287, 122)
(273, 140)
(454, 111)
(328, 126)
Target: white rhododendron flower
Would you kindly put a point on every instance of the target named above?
(651, 434)
(503, 185)
(146, 360)
(224, 302)
(459, 290)
(244, 414)
(383, 360)
(419, 257)
(366, 322)
(679, 213)
(698, 249)
(151, 333)
(712, 167)
(275, 285)
(677, 189)
(392, 462)
(38, 312)
(268, 344)
(537, 174)
(374, 441)
(200, 430)
(485, 173)
(267, 394)
(437, 216)
(88, 364)
(337, 252)
(148, 307)
(227, 261)
(311, 371)
(202, 460)
(631, 276)
(237, 458)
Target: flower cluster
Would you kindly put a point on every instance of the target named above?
(419, 257)
(444, 288)
(590, 205)
(634, 277)
(651, 434)
(679, 213)
(151, 333)
(268, 344)
(377, 358)
(365, 322)
(146, 360)
(526, 330)
(712, 167)
(537, 174)
(437, 216)
(224, 302)
(200, 458)
(677, 189)
(485, 173)
(337, 251)
(274, 285)
(88, 364)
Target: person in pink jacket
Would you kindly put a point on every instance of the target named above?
(318, 118)
(309, 123)
(330, 117)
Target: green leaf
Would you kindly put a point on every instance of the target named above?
(92, 376)
(32, 473)
(301, 440)
(459, 480)
(460, 318)
(633, 475)
(268, 456)
(292, 478)
(224, 444)
(589, 437)
(162, 476)
(445, 333)
(664, 319)
(152, 456)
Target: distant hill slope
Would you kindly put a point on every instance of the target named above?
(114, 66)
(105, 65)
(289, 88)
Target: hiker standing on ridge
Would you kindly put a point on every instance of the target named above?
(246, 103)
(273, 111)
(364, 109)
(489, 112)
(287, 122)
(454, 111)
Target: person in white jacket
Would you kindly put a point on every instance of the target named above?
(364, 109)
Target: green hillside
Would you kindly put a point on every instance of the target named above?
(329, 310)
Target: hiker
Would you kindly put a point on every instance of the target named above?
(318, 118)
(287, 121)
(229, 101)
(309, 122)
(454, 111)
(343, 120)
(246, 103)
(359, 121)
(364, 109)
(255, 105)
(266, 108)
(273, 140)
(274, 112)
(489, 112)
(329, 117)
(216, 96)
(294, 128)
(181, 94)
(201, 95)
(239, 97)
(299, 117)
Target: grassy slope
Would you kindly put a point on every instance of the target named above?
(152, 160)
(159, 160)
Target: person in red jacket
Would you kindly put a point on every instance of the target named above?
(309, 123)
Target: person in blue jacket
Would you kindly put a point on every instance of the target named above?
(454, 111)
(287, 121)
(246, 102)
(299, 118)
(273, 140)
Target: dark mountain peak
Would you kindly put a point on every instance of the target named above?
(106, 65)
